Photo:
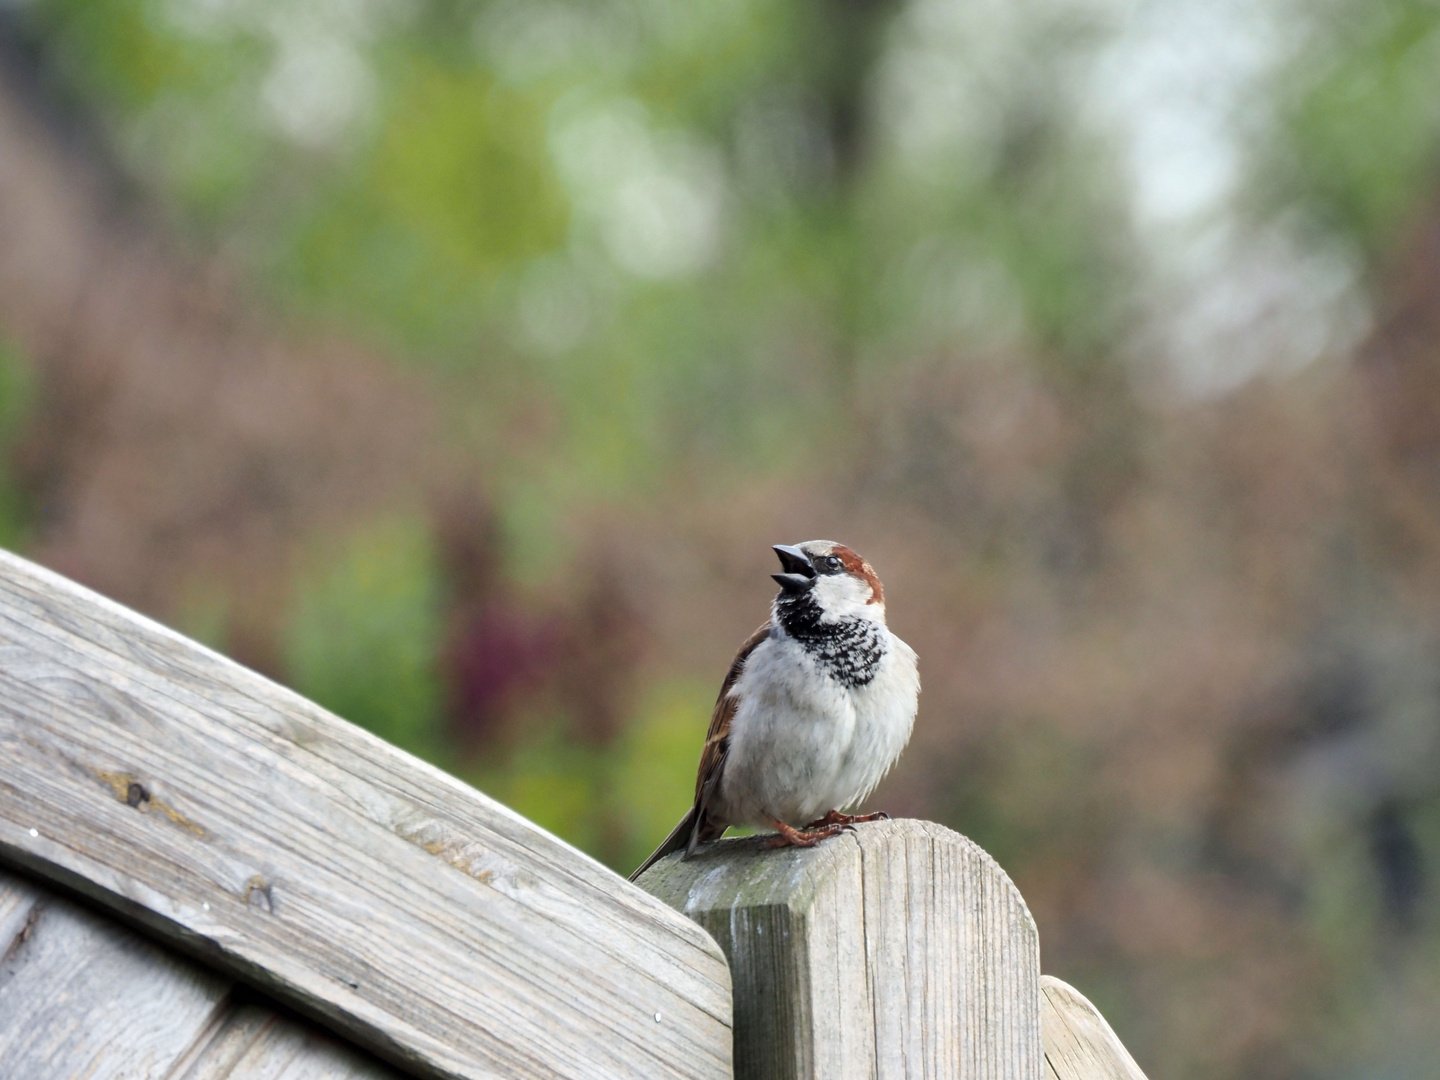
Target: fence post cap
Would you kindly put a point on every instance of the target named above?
(899, 949)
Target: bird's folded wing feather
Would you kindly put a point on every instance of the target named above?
(717, 740)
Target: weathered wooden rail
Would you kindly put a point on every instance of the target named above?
(278, 844)
(209, 831)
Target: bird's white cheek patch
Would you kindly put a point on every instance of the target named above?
(843, 596)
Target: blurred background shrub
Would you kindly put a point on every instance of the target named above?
(457, 363)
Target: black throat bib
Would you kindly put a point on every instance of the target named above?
(848, 650)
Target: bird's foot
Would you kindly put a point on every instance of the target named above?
(835, 817)
(789, 836)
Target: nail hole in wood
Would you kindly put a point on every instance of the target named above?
(135, 794)
(258, 894)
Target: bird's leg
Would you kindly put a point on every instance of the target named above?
(835, 817)
(788, 836)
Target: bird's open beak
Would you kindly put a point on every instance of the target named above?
(799, 574)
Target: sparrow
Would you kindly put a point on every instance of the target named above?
(815, 709)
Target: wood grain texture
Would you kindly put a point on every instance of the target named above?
(1079, 1044)
(901, 950)
(271, 839)
(79, 997)
(82, 996)
(254, 1042)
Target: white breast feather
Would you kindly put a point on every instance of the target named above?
(802, 744)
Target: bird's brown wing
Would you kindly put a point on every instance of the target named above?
(717, 743)
(717, 739)
(698, 825)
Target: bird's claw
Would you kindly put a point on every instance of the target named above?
(835, 817)
(789, 836)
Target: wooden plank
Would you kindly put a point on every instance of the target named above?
(256, 1043)
(82, 998)
(18, 898)
(253, 829)
(1079, 1044)
(901, 950)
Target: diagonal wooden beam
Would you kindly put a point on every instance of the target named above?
(254, 830)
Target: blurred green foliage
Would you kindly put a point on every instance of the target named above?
(17, 395)
(660, 233)
(1360, 107)
(364, 635)
(654, 770)
(617, 801)
(557, 783)
(363, 641)
(453, 191)
(590, 194)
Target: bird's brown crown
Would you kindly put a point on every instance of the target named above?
(855, 564)
(828, 557)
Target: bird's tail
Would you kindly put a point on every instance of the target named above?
(679, 837)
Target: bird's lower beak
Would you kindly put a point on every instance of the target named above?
(793, 583)
(799, 575)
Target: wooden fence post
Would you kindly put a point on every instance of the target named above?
(1079, 1044)
(901, 950)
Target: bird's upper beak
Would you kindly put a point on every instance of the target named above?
(799, 575)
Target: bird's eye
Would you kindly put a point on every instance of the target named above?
(833, 562)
